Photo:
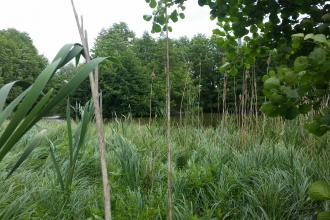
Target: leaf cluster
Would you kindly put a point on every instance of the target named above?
(299, 89)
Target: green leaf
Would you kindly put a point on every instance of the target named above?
(300, 63)
(264, 78)
(326, 17)
(290, 77)
(246, 38)
(201, 2)
(6, 89)
(271, 83)
(233, 72)
(319, 190)
(153, 4)
(267, 107)
(239, 63)
(216, 31)
(28, 151)
(114, 60)
(317, 56)
(299, 35)
(9, 109)
(174, 16)
(291, 113)
(253, 29)
(304, 108)
(233, 3)
(224, 67)
(182, 16)
(278, 99)
(220, 42)
(147, 17)
(156, 28)
(325, 120)
(271, 73)
(309, 36)
(324, 215)
(296, 93)
(320, 38)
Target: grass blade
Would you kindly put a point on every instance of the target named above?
(6, 89)
(28, 151)
(9, 109)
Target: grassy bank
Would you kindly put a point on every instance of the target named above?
(260, 171)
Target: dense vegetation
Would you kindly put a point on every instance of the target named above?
(247, 167)
(260, 171)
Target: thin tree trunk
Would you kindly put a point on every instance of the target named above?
(152, 80)
(169, 150)
(183, 93)
(99, 122)
(199, 90)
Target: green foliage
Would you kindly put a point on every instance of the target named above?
(301, 88)
(237, 175)
(76, 141)
(19, 60)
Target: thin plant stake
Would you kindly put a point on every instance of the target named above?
(98, 116)
(169, 151)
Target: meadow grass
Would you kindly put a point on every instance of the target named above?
(261, 171)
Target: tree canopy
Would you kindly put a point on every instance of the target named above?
(19, 59)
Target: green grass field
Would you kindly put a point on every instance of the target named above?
(261, 171)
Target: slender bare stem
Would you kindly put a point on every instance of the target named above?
(99, 122)
(169, 150)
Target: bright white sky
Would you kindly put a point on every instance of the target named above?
(51, 24)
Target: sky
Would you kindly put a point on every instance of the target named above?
(51, 23)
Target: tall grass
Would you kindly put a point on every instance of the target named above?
(230, 173)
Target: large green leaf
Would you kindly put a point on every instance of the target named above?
(319, 190)
(271, 83)
(320, 38)
(300, 63)
(317, 56)
(291, 113)
(267, 107)
(324, 215)
(224, 67)
(147, 17)
(304, 108)
(295, 93)
(153, 4)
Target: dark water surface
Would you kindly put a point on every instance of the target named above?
(206, 120)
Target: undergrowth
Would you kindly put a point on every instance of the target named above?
(260, 171)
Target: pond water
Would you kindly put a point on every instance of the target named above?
(206, 120)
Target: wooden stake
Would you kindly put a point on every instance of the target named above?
(169, 151)
(99, 122)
